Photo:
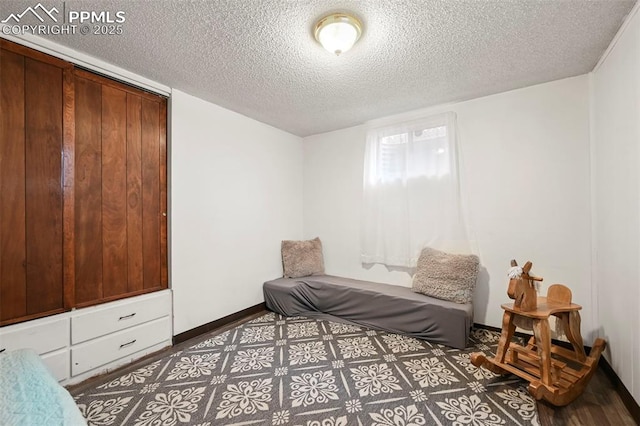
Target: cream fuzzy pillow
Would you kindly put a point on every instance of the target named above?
(446, 276)
(302, 258)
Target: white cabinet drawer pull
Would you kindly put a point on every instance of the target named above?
(124, 345)
(126, 316)
(2, 350)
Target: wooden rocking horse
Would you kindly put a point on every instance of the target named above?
(554, 373)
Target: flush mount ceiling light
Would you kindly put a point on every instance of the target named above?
(338, 32)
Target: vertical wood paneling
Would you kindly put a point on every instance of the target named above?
(151, 193)
(164, 278)
(43, 119)
(68, 188)
(114, 191)
(134, 192)
(83, 175)
(88, 190)
(13, 291)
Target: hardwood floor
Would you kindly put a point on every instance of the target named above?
(599, 405)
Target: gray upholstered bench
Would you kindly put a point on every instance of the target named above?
(380, 306)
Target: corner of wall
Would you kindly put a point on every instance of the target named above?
(595, 314)
(621, 31)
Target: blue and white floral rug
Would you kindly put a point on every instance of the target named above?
(299, 371)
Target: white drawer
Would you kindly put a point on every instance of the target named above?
(93, 354)
(90, 323)
(42, 336)
(58, 363)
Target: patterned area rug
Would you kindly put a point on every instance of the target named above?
(299, 371)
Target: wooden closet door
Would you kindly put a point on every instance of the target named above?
(120, 190)
(33, 87)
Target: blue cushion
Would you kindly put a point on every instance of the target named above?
(30, 395)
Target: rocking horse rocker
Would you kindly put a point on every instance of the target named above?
(555, 374)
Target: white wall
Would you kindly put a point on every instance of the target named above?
(236, 192)
(526, 168)
(616, 139)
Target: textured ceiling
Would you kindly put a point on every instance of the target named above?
(259, 57)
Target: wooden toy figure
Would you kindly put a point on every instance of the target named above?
(522, 287)
(555, 373)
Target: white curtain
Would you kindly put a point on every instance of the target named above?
(412, 192)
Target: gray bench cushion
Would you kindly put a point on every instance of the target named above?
(381, 306)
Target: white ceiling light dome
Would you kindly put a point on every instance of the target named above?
(338, 32)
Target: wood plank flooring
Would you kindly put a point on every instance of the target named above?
(599, 405)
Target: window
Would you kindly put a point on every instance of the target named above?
(411, 191)
(414, 153)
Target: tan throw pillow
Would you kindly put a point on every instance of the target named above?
(446, 276)
(302, 258)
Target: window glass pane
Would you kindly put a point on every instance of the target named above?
(415, 153)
